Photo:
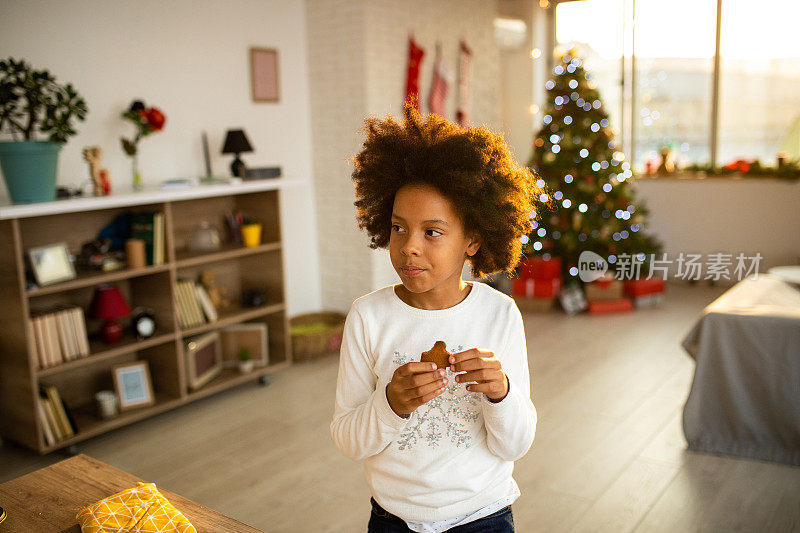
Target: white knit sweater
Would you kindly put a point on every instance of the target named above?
(456, 453)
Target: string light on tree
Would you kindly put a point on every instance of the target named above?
(585, 174)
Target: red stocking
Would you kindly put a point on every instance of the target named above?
(415, 54)
(464, 60)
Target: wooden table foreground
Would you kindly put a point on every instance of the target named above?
(48, 499)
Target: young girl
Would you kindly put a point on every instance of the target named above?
(438, 444)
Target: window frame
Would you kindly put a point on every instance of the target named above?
(627, 82)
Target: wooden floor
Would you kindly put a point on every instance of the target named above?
(609, 453)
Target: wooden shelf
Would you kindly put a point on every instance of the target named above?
(234, 315)
(236, 267)
(87, 279)
(185, 258)
(230, 377)
(89, 425)
(99, 351)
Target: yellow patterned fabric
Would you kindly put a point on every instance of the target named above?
(138, 510)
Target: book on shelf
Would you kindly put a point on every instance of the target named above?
(44, 422)
(158, 238)
(149, 227)
(180, 304)
(59, 336)
(190, 313)
(51, 336)
(64, 422)
(194, 303)
(205, 301)
(38, 337)
(50, 415)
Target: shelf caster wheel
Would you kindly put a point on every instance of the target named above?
(73, 450)
(263, 380)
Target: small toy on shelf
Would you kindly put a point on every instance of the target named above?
(216, 294)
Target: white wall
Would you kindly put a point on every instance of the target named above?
(190, 59)
(725, 215)
(358, 53)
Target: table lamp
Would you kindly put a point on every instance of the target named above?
(235, 143)
(109, 305)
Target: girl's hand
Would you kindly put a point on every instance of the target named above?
(481, 366)
(414, 384)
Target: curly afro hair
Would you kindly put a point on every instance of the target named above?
(472, 167)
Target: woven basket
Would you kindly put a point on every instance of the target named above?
(307, 346)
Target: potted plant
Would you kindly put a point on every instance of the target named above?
(33, 105)
(251, 232)
(245, 363)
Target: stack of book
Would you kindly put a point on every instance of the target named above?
(194, 305)
(149, 226)
(56, 419)
(59, 336)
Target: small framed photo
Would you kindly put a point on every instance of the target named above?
(203, 359)
(51, 264)
(254, 337)
(133, 385)
(264, 74)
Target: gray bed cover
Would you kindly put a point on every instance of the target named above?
(745, 395)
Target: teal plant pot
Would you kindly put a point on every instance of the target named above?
(29, 169)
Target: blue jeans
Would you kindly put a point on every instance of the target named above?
(382, 521)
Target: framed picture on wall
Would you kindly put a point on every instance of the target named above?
(133, 385)
(264, 74)
(203, 359)
(250, 336)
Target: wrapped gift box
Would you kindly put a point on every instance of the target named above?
(643, 287)
(534, 305)
(536, 288)
(538, 268)
(605, 288)
(601, 307)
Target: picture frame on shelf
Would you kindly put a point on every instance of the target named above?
(133, 385)
(203, 359)
(51, 264)
(264, 74)
(254, 337)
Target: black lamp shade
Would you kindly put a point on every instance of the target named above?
(236, 142)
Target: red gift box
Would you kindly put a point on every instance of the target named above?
(643, 287)
(601, 307)
(538, 268)
(536, 288)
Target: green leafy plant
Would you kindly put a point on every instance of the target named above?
(31, 101)
(244, 354)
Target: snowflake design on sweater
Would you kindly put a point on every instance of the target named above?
(448, 415)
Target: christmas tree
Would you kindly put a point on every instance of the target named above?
(589, 203)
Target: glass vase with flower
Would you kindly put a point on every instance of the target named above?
(146, 120)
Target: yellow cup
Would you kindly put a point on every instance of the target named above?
(251, 235)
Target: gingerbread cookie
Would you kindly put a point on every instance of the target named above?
(438, 354)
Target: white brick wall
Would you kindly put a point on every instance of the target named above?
(357, 66)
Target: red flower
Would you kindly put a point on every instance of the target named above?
(740, 164)
(155, 119)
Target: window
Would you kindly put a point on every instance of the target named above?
(759, 113)
(654, 64)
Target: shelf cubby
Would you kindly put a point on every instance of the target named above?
(237, 268)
